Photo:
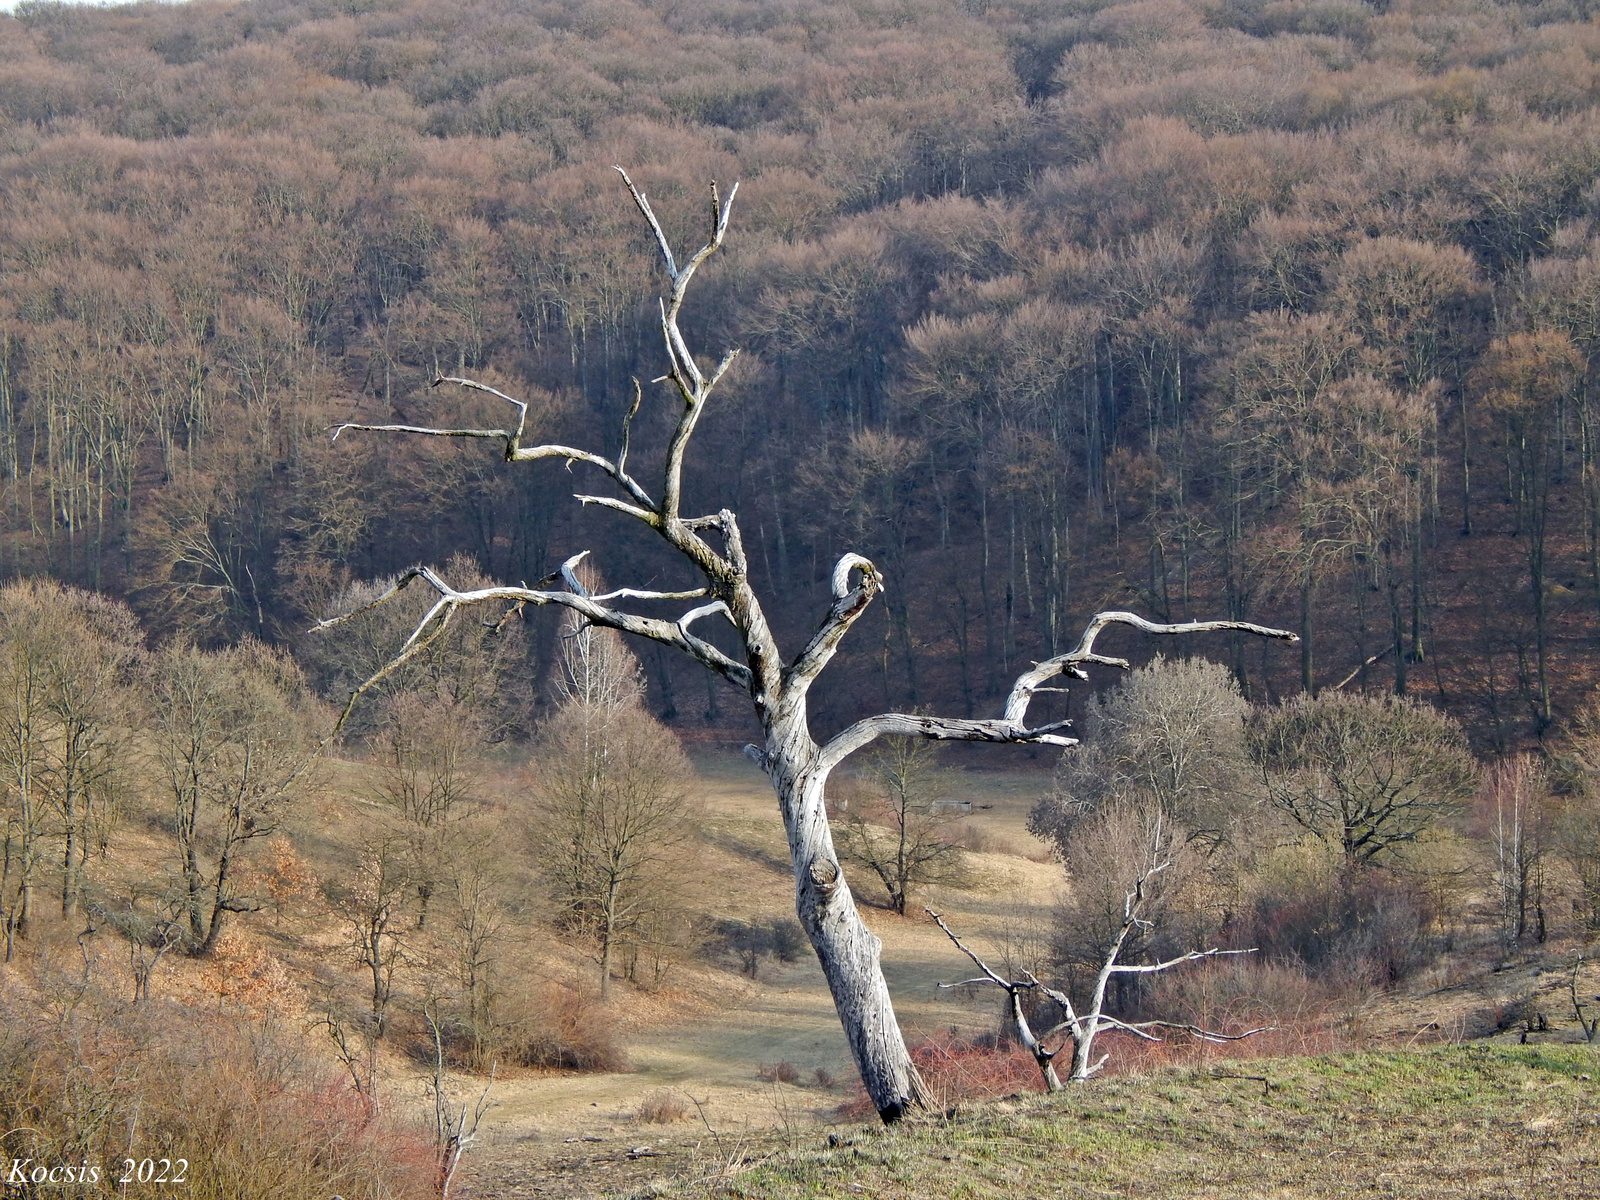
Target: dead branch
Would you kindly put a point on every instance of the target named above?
(1082, 1029)
(1013, 727)
(1589, 1025)
(1013, 989)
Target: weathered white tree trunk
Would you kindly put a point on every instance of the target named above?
(795, 763)
(846, 948)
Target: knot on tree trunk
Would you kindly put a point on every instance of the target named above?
(825, 874)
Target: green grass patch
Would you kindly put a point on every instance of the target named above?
(1464, 1121)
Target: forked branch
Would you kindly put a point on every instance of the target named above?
(1013, 726)
(450, 600)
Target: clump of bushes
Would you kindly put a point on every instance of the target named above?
(84, 1079)
(564, 1030)
(778, 1072)
(748, 942)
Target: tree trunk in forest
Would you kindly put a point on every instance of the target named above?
(1307, 586)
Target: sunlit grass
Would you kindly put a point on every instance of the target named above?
(1466, 1121)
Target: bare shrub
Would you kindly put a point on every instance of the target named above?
(237, 1099)
(662, 1107)
(1360, 925)
(745, 941)
(973, 839)
(564, 1030)
(823, 1078)
(778, 1072)
(1169, 736)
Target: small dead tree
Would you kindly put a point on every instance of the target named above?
(1580, 1008)
(454, 1130)
(778, 686)
(1081, 1028)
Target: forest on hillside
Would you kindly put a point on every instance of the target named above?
(1285, 311)
(1277, 311)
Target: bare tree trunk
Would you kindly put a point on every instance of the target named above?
(608, 940)
(847, 950)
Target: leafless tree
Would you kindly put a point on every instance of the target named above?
(1577, 831)
(1520, 818)
(232, 731)
(612, 818)
(428, 776)
(1589, 1025)
(370, 909)
(900, 832)
(1170, 735)
(90, 707)
(66, 660)
(477, 926)
(150, 933)
(1160, 848)
(797, 765)
(1367, 775)
(32, 632)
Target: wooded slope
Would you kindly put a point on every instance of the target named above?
(1286, 311)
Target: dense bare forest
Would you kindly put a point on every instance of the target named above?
(1284, 312)
(1280, 311)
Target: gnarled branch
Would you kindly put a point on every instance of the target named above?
(438, 616)
(848, 604)
(1013, 726)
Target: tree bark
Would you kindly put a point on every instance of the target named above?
(847, 950)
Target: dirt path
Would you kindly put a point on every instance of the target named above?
(550, 1135)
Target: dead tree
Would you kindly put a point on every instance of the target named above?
(797, 765)
(1082, 1028)
(1589, 1025)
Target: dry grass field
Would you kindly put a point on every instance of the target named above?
(743, 1086)
(1489, 1118)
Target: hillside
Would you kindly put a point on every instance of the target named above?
(1275, 310)
(1475, 1122)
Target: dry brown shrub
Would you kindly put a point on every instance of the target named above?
(235, 1098)
(778, 1072)
(662, 1107)
(564, 1029)
(248, 975)
(959, 1069)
